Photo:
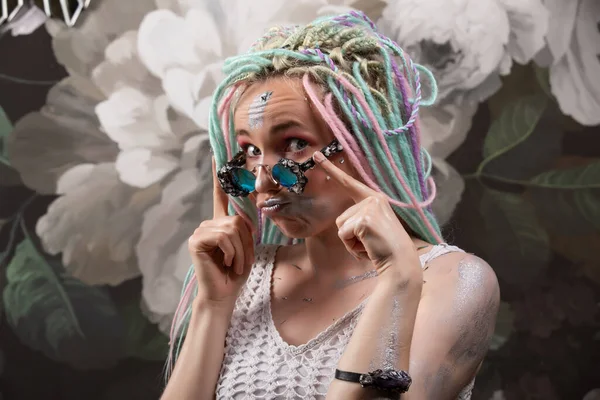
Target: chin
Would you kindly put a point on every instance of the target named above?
(294, 228)
(302, 228)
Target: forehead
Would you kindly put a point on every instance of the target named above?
(274, 97)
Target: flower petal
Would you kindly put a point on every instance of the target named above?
(444, 126)
(141, 167)
(529, 26)
(574, 79)
(450, 186)
(162, 249)
(97, 248)
(81, 48)
(166, 40)
(65, 133)
(561, 25)
(195, 150)
(461, 42)
(133, 119)
(122, 67)
(178, 85)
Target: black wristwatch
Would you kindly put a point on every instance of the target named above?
(389, 379)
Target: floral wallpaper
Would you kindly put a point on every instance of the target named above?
(105, 171)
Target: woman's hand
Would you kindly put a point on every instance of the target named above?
(371, 229)
(222, 251)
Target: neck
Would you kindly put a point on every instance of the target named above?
(329, 257)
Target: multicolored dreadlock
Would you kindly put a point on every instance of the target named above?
(372, 98)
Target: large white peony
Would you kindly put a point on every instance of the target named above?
(467, 44)
(573, 54)
(123, 139)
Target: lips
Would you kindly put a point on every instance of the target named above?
(272, 206)
(272, 202)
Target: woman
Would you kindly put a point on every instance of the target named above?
(315, 141)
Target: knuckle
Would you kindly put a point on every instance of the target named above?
(363, 221)
(193, 242)
(237, 222)
(377, 200)
(221, 236)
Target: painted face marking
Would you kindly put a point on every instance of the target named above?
(256, 111)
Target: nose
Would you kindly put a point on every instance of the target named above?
(264, 180)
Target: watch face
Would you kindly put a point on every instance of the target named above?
(389, 379)
(365, 379)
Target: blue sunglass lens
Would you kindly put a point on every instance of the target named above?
(244, 179)
(284, 176)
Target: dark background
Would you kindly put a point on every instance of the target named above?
(553, 330)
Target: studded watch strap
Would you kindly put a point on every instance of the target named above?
(347, 376)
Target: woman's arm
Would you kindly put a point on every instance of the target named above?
(455, 323)
(199, 363)
(452, 325)
(382, 337)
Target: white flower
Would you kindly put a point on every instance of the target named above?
(467, 43)
(574, 49)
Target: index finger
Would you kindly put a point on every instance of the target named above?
(220, 199)
(357, 190)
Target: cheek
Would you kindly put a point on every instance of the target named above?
(328, 195)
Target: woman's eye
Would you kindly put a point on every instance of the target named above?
(251, 151)
(296, 145)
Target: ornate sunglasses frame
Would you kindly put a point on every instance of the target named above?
(226, 174)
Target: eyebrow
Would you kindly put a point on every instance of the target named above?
(275, 129)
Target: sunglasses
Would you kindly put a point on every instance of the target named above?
(238, 181)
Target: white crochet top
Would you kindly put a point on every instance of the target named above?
(259, 364)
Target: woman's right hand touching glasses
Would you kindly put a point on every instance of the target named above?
(222, 251)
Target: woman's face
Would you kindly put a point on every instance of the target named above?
(274, 119)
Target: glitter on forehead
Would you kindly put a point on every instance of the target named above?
(256, 110)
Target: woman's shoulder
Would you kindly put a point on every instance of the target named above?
(460, 273)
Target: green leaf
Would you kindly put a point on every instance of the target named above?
(514, 125)
(542, 76)
(569, 199)
(523, 141)
(8, 176)
(143, 339)
(504, 326)
(516, 244)
(582, 177)
(57, 314)
(5, 129)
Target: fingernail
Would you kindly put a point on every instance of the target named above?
(318, 157)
